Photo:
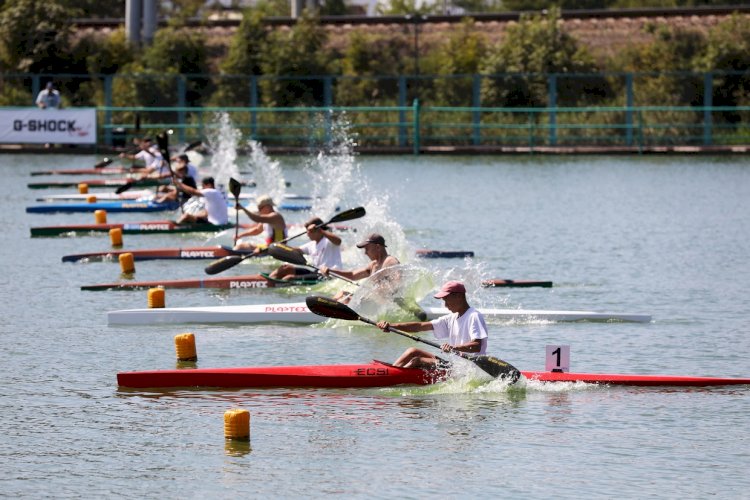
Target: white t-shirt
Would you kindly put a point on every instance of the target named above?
(216, 206)
(462, 330)
(323, 253)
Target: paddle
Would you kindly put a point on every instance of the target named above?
(329, 308)
(235, 187)
(163, 142)
(103, 163)
(225, 263)
(292, 256)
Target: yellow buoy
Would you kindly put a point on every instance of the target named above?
(83, 188)
(127, 262)
(237, 424)
(100, 216)
(184, 344)
(115, 236)
(91, 199)
(155, 298)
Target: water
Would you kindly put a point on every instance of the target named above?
(665, 236)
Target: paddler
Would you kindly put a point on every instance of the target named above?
(464, 328)
(166, 194)
(152, 158)
(376, 249)
(324, 249)
(214, 209)
(270, 223)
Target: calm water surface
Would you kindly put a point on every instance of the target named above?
(653, 235)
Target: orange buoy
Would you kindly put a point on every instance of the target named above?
(155, 298)
(91, 199)
(184, 344)
(115, 236)
(237, 424)
(127, 262)
(83, 188)
(100, 216)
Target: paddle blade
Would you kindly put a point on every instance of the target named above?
(235, 187)
(103, 163)
(351, 214)
(286, 254)
(224, 263)
(497, 368)
(124, 188)
(329, 308)
(192, 146)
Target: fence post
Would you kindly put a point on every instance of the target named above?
(629, 109)
(108, 110)
(552, 85)
(253, 105)
(708, 102)
(181, 102)
(401, 112)
(415, 111)
(476, 102)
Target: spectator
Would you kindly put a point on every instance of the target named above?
(49, 97)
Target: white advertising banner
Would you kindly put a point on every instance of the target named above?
(47, 126)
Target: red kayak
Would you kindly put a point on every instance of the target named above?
(145, 227)
(374, 374)
(87, 171)
(516, 283)
(186, 253)
(224, 282)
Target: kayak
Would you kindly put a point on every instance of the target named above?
(87, 171)
(515, 283)
(133, 194)
(223, 282)
(187, 253)
(100, 183)
(298, 313)
(128, 206)
(146, 227)
(374, 374)
(444, 254)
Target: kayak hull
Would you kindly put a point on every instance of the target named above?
(299, 313)
(127, 206)
(186, 253)
(147, 227)
(374, 374)
(444, 254)
(505, 283)
(222, 282)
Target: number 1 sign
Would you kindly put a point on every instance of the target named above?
(557, 358)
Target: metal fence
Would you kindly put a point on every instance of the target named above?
(634, 110)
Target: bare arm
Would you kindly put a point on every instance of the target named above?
(332, 237)
(412, 326)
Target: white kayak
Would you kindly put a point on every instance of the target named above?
(297, 312)
(142, 194)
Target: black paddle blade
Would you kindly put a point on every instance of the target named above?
(124, 187)
(497, 368)
(103, 163)
(235, 187)
(224, 263)
(192, 146)
(287, 254)
(329, 308)
(351, 214)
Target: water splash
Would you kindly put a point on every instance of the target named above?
(267, 173)
(224, 139)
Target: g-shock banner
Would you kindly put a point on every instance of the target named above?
(48, 126)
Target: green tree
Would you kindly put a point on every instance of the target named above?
(298, 52)
(243, 59)
(35, 36)
(528, 52)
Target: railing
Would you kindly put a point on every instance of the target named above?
(416, 128)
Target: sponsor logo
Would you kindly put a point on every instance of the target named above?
(49, 126)
(134, 205)
(197, 254)
(283, 309)
(148, 227)
(247, 284)
(371, 372)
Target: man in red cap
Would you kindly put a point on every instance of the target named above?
(375, 249)
(464, 328)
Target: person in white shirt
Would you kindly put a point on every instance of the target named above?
(49, 98)
(149, 154)
(464, 329)
(324, 249)
(215, 208)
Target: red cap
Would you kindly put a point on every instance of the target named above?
(449, 288)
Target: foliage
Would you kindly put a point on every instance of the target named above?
(96, 9)
(405, 7)
(34, 36)
(533, 47)
(537, 5)
(298, 52)
(366, 57)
